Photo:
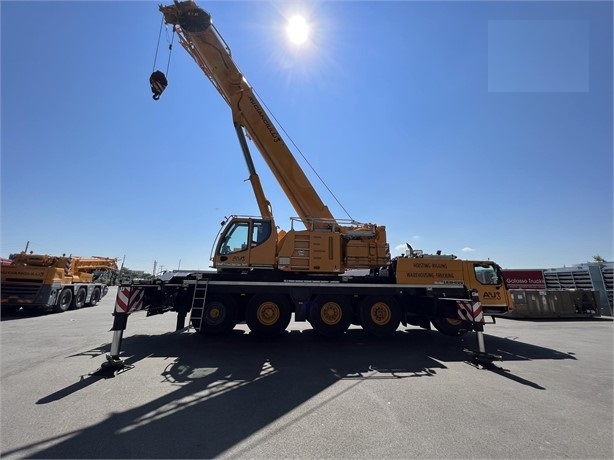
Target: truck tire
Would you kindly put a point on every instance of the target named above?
(95, 297)
(268, 316)
(380, 316)
(79, 300)
(220, 316)
(330, 316)
(64, 301)
(450, 326)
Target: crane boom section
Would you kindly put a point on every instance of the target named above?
(200, 38)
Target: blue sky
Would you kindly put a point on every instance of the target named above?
(483, 129)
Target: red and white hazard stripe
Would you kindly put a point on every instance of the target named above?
(470, 311)
(129, 299)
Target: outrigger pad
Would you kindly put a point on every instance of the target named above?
(158, 83)
(111, 367)
(482, 358)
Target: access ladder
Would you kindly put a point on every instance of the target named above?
(199, 298)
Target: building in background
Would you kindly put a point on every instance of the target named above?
(590, 276)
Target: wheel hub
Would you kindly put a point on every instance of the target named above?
(268, 313)
(331, 313)
(381, 314)
(214, 313)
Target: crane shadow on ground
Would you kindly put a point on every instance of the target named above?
(220, 391)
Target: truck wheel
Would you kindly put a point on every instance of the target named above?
(220, 316)
(268, 316)
(380, 316)
(330, 316)
(64, 301)
(450, 326)
(79, 299)
(95, 296)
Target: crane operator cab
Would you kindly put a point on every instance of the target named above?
(246, 242)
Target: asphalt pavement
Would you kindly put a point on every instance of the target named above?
(415, 395)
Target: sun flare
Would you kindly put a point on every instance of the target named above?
(297, 29)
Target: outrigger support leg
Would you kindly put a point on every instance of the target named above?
(472, 311)
(480, 356)
(114, 363)
(128, 300)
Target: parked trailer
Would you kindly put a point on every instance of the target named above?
(554, 303)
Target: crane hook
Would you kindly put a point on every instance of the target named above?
(158, 83)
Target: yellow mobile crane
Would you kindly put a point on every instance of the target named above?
(263, 276)
(53, 283)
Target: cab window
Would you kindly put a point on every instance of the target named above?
(236, 238)
(486, 274)
(261, 232)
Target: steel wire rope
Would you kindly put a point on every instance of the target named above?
(170, 50)
(301, 153)
(158, 45)
(170, 47)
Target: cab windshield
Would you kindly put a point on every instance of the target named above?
(487, 274)
(236, 238)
